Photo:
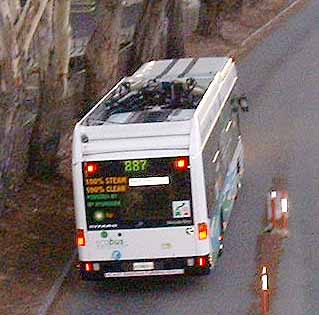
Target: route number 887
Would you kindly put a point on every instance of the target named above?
(135, 165)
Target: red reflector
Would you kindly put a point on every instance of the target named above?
(88, 267)
(80, 238)
(202, 231)
(181, 163)
(202, 261)
(91, 168)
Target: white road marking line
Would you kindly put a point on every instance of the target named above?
(259, 30)
(43, 310)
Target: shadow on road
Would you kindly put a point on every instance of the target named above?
(158, 284)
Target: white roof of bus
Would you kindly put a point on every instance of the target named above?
(202, 69)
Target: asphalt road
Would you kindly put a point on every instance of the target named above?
(284, 88)
(280, 135)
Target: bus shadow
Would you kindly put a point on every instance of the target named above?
(149, 284)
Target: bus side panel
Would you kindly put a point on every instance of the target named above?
(232, 183)
(213, 180)
(199, 196)
(220, 170)
(78, 196)
(199, 203)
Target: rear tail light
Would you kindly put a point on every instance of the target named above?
(202, 231)
(181, 163)
(202, 261)
(80, 238)
(88, 267)
(91, 168)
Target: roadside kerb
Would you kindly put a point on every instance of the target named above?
(43, 310)
(264, 28)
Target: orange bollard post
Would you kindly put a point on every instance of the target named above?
(284, 210)
(265, 302)
(274, 195)
(265, 292)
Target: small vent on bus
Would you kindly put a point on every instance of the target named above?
(154, 116)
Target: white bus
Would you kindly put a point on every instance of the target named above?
(157, 164)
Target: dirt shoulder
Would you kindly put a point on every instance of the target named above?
(36, 237)
(237, 27)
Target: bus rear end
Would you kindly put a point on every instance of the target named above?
(138, 219)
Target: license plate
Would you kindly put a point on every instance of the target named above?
(143, 273)
(149, 265)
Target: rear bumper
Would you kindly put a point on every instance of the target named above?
(100, 270)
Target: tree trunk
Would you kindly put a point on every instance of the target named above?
(53, 88)
(209, 21)
(203, 19)
(15, 115)
(159, 33)
(102, 52)
(19, 29)
(175, 40)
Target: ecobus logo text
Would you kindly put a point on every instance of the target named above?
(110, 243)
